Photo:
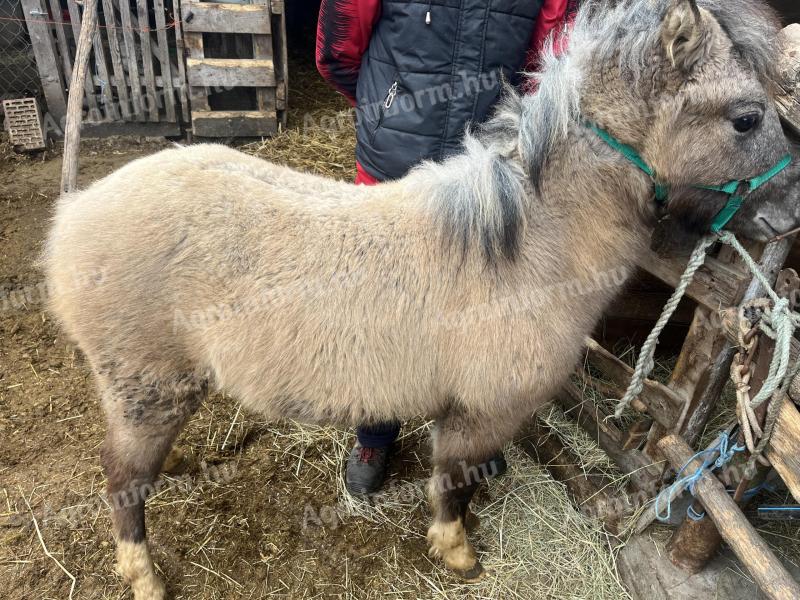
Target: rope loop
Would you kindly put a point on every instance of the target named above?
(716, 457)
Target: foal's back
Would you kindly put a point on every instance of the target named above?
(286, 289)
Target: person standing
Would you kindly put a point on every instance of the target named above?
(418, 72)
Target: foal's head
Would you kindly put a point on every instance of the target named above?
(685, 83)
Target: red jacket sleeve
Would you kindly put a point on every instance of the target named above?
(343, 33)
(554, 18)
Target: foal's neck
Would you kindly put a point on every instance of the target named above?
(589, 215)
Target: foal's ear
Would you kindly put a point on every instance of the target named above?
(685, 35)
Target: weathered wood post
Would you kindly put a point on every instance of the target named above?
(72, 127)
(736, 530)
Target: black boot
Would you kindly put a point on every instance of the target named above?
(365, 470)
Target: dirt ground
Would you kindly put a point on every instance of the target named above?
(253, 509)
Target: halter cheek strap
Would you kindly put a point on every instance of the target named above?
(731, 189)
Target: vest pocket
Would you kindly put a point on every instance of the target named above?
(386, 104)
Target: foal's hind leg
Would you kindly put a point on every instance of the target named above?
(462, 448)
(144, 418)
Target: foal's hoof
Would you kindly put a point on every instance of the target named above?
(473, 575)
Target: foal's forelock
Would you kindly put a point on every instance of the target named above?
(479, 196)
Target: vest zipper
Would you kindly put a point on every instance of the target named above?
(387, 103)
(428, 14)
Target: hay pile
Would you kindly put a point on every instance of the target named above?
(533, 541)
(320, 135)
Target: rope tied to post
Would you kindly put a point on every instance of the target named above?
(716, 457)
(645, 363)
(777, 322)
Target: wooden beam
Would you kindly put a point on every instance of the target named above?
(106, 97)
(715, 284)
(784, 446)
(772, 577)
(226, 18)
(281, 59)
(37, 19)
(230, 72)
(697, 415)
(233, 123)
(643, 473)
(72, 129)
(788, 101)
(262, 50)
(662, 404)
(89, 89)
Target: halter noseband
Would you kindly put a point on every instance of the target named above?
(736, 190)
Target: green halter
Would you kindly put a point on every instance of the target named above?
(732, 188)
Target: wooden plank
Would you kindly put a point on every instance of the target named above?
(133, 58)
(130, 128)
(89, 88)
(198, 96)
(226, 18)
(662, 404)
(643, 474)
(61, 38)
(648, 575)
(233, 123)
(106, 97)
(229, 72)
(262, 50)
(788, 97)
(151, 96)
(784, 447)
(716, 283)
(44, 51)
(281, 59)
(163, 57)
(183, 92)
(744, 540)
(116, 60)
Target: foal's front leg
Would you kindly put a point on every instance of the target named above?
(449, 493)
(462, 447)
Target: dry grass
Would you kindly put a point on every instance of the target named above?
(533, 541)
(320, 136)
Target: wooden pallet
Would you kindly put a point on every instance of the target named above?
(264, 22)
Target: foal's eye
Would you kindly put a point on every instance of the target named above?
(746, 122)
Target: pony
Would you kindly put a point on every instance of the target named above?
(462, 291)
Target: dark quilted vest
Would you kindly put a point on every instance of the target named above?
(422, 82)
